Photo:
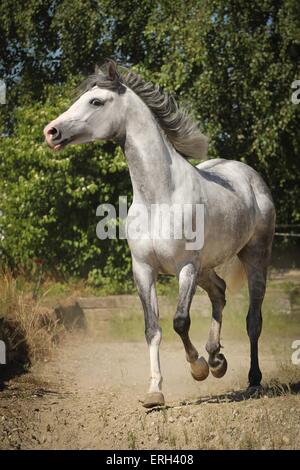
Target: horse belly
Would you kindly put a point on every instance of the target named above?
(225, 238)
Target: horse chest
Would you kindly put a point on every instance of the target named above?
(156, 236)
(165, 255)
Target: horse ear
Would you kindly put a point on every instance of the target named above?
(113, 75)
(111, 70)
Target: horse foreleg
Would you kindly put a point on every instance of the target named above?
(145, 279)
(182, 321)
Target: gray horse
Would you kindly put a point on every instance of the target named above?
(239, 216)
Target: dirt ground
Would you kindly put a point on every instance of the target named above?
(87, 397)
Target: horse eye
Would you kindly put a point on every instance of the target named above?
(96, 102)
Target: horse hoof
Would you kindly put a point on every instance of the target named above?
(153, 399)
(218, 365)
(255, 390)
(199, 369)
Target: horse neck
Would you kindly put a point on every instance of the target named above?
(151, 160)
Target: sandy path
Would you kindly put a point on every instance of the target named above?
(87, 396)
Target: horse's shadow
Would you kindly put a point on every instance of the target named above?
(272, 390)
(252, 393)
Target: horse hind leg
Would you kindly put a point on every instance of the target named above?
(215, 288)
(255, 258)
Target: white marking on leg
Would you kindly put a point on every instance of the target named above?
(156, 378)
(215, 330)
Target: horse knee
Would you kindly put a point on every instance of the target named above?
(181, 323)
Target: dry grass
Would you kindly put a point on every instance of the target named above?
(28, 329)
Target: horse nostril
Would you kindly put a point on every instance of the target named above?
(55, 133)
(52, 131)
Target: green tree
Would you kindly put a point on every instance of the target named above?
(231, 62)
(235, 63)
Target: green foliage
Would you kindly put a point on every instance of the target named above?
(232, 63)
(235, 63)
(49, 201)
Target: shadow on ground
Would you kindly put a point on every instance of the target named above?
(271, 391)
(252, 393)
(11, 371)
